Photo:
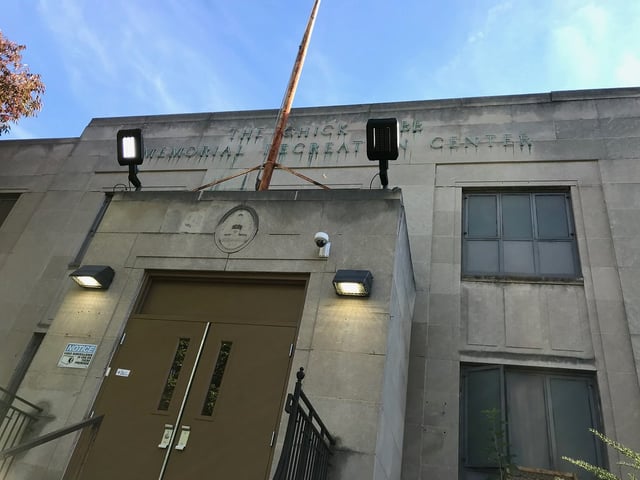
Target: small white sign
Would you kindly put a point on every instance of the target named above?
(77, 355)
(122, 372)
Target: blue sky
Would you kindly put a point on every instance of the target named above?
(144, 57)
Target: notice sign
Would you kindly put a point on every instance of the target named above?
(77, 355)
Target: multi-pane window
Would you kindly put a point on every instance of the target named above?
(7, 201)
(519, 234)
(528, 418)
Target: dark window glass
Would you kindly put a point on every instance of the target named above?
(551, 214)
(556, 258)
(525, 398)
(482, 256)
(518, 257)
(216, 378)
(174, 373)
(519, 234)
(516, 216)
(542, 414)
(482, 216)
(573, 411)
(483, 413)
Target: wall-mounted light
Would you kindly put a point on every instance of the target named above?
(93, 276)
(131, 152)
(356, 283)
(383, 144)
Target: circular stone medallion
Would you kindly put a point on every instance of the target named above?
(236, 229)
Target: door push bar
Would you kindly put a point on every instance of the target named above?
(184, 437)
(166, 436)
(168, 433)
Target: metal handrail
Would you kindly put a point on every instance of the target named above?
(12, 396)
(95, 421)
(17, 415)
(307, 446)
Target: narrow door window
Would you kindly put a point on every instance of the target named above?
(216, 378)
(174, 373)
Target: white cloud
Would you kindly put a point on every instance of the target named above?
(476, 36)
(164, 60)
(598, 45)
(83, 45)
(149, 56)
(321, 83)
(627, 73)
(544, 45)
(580, 45)
(494, 54)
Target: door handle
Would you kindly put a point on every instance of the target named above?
(184, 437)
(166, 436)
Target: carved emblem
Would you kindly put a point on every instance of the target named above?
(236, 229)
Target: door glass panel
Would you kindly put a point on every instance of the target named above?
(516, 216)
(216, 378)
(174, 373)
(552, 216)
(482, 216)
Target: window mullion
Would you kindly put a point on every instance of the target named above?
(568, 215)
(503, 403)
(534, 233)
(553, 449)
(572, 234)
(499, 230)
(596, 415)
(465, 231)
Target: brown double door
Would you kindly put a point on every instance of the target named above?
(188, 398)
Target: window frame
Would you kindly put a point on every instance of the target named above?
(547, 376)
(535, 239)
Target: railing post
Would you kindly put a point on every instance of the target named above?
(16, 417)
(287, 447)
(304, 451)
(308, 445)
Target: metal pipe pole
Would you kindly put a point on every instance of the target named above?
(285, 109)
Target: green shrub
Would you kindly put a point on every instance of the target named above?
(601, 473)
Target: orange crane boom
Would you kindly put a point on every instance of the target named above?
(285, 109)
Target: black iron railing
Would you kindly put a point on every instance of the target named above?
(16, 415)
(23, 447)
(308, 446)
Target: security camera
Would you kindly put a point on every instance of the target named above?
(322, 242)
(321, 239)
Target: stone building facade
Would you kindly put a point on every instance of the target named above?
(506, 265)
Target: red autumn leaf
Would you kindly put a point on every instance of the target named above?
(20, 90)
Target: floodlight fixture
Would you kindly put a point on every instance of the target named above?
(131, 152)
(93, 276)
(383, 143)
(130, 146)
(353, 283)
